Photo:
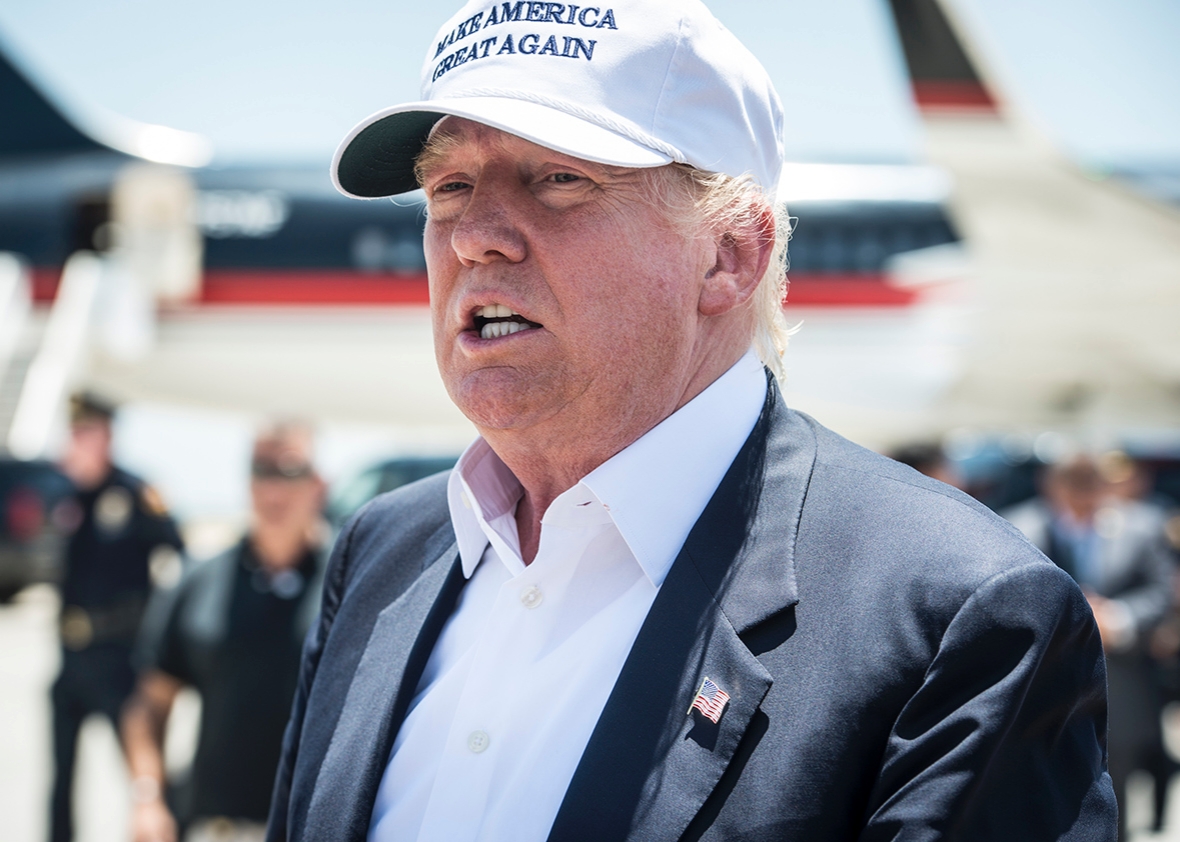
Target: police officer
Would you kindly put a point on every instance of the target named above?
(118, 522)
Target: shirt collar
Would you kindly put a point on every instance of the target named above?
(482, 491)
(654, 490)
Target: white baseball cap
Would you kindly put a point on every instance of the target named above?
(637, 83)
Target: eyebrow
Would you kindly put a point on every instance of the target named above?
(439, 145)
(434, 150)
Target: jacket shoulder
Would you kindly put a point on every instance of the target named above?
(417, 507)
(934, 529)
(408, 523)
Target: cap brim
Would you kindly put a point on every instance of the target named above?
(377, 158)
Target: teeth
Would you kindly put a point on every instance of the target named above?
(495, 311)
(494, 330)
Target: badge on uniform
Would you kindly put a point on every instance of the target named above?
(710, 700)
(112, 510)
(153, 503)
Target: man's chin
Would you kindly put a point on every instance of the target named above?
(501, 399)
(498, 415)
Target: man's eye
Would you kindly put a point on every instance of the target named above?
(450, 187)
(565, 177)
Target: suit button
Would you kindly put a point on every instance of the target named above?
(531, 597)
(477, 741)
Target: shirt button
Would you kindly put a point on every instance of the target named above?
(477, 741)
(531, 597)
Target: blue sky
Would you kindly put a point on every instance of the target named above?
(1100, 79)
(262, 85)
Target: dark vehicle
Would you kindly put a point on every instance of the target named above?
(350, 495)
(34, 505)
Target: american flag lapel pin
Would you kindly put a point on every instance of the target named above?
(710, 700)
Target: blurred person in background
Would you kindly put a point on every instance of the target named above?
(1115, 549)
(232, 629)
(1129, 481)
(117, 525)
(928, 458)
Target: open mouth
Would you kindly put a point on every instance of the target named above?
(496, 320)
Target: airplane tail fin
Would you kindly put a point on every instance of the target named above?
(33, 125)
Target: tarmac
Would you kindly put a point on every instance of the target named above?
(28, 664)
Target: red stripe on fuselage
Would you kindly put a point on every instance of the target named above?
(846, 291)
(312, 287)
(270, 287)
(44, 280)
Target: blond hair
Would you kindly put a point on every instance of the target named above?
(699, 201)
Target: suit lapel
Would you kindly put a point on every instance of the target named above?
(650, 765)
(381, 690)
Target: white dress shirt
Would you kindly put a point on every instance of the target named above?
(524, 665)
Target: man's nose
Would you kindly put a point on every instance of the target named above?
(486, 231)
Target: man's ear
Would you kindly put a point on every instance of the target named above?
(740, 260)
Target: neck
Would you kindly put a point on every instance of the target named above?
(551, 458)
(95, 480)
(278, 548)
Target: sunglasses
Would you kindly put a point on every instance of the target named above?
(279, 469)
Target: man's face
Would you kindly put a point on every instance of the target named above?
(286, 492)
(1077, 497)
(603, 289)
(290, 504)
(88, 456)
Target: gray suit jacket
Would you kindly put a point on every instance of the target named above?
(1135, 567)
(902, 664)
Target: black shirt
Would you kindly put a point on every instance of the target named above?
(119, 523)
(235, 634)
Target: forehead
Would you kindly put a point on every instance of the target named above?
(272, 445)
(90, 424)
(454, 137)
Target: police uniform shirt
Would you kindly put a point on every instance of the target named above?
(107, 571)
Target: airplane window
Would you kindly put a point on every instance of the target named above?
(375, 250)
(799, 253)
(869, 253)
(368, 249)
(902, 239)
(832, 250)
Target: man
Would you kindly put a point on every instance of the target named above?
(1130, 483)
(118, 524)
(1116, 550)
(651, 602)
(232, 629)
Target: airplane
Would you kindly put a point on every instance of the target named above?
(308, 303)
(918, 313)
